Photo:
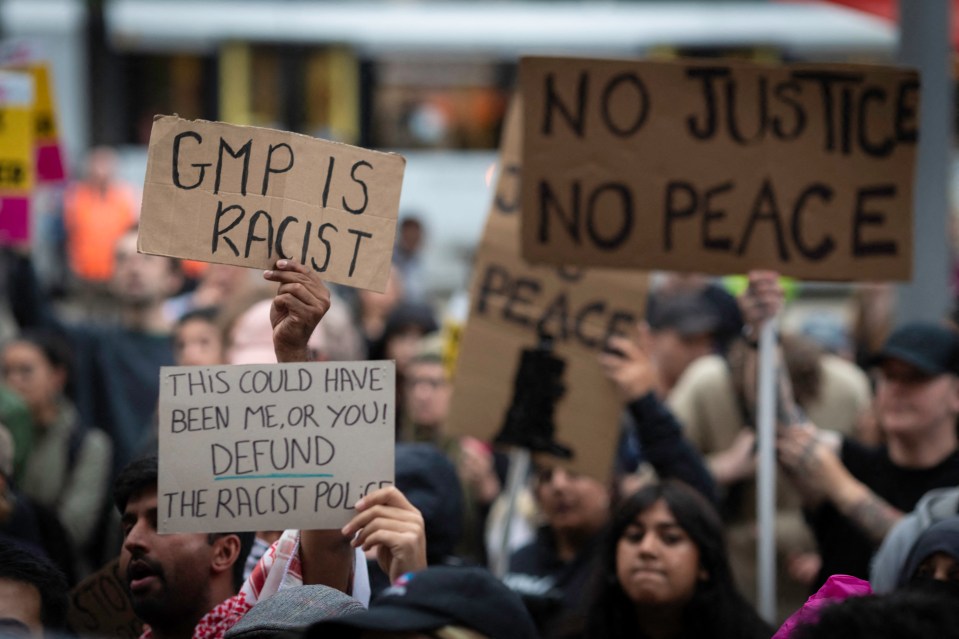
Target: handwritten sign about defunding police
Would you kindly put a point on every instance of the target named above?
(100, 606)
(720, 167)
(249, 196)
(270, 447)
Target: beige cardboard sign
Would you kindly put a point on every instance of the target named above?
(720, 166)
(511, 300)
(249, 196)
(268, 447)
(100, 606)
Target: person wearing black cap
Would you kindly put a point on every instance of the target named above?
(854, 493)
(441, 601)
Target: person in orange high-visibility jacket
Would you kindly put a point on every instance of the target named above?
(96, 213)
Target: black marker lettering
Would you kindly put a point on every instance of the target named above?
(826, 245)
(269, 163)
(244, 152)
(862, 217)
(326, 245)
(220, 212)
(359, 210)
(641, 101)
(176, 161)
(552, 103)
(356, 247)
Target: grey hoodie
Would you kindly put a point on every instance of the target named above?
(936, 505)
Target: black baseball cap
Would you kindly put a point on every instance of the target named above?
(434, 598)
(430, 482)
(931, 348)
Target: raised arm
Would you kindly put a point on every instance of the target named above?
(631, 369)
(300, 303)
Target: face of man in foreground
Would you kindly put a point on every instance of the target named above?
(166, 575)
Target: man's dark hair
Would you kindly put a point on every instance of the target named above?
(208, 314)
(136, 476)
(53, 346)
(142, 474)
(20, 565)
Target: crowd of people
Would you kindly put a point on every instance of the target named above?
(867, 520)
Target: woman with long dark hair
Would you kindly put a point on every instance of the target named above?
(665, 572)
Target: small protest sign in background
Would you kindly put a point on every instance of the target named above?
(272, 446)
(249, 196)
(720, 166)
(26, 56)
(511, 301)
(16, 156)
(100, 606)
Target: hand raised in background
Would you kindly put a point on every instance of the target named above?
(628, 363)
(762, 300)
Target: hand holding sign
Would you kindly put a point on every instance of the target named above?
(300, 303)
(388, 522)
(630, 367)
(762, 299)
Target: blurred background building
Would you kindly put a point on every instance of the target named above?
(429, 79)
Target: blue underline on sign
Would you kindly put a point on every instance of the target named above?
(275, 476)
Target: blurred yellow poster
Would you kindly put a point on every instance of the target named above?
(22, 56)
(16, 156)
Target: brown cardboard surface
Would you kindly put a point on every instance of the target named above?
(100, 606)
(328, 205)
(509, 299)
(272, 446)
(805, 169)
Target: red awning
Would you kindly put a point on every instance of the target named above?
(889, 10)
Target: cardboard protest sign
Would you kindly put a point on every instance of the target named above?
(16, 156)
(511, 301)
(23, 55)
(248, 196)
(269, 447)
(720, 167)
(100, 606)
